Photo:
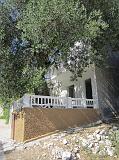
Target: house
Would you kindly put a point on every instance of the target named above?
(71, 103)
(97, 88)
(98, 84)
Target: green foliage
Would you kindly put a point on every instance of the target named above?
(22, 71)
(51, 27)
(110, 15)
(114, 137)
(6, 114)
(57, 24)
(19, 75)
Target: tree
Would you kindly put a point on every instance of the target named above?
(19, 71)
(54, 26)
(110, 15)
(47, 32)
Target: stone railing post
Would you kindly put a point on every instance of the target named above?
(26, 101)
(84, 103)
(69, 102)
(95, 103)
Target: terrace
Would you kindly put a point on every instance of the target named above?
(31, 101)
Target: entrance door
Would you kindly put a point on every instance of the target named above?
(71, 91)
(88, 87)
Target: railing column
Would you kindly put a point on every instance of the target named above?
(84, 103)
(27, 101)
(95, 103)
(69, 102)
(30, 101)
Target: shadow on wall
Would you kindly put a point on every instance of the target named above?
(108, 93)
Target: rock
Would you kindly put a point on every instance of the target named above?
(73, 155)
(102, 132)
(108, 142)
(85, 143)
(95, 150)
(78, 156)
(110, 152)
(62, 135)
(78, 129)
(38, 157)
(8, 145)
(74, 138)
(20, 148)
(98, 137)
(102, 153)
(114, 128)
(70, 131)
(97, 131)
(76, 150)
(77, 141)
(101, 142)
(91, 145)
(66, 155)
(65, 142)
(106, 137)
(9, 149)
(37, 143)
(57, 153)
(90, 137)
(103, 137)
(50, 145)
(25, 147)
(96, 144)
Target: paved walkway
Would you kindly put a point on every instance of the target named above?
(4, 134)
(4, 129)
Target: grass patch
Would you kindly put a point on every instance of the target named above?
(6, 114)
(114, 137)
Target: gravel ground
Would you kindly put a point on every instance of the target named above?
(4, 134)
(4, 129)
(72, 144)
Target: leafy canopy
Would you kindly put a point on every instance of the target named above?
(19, 71)
(50, 28)
(54, 26)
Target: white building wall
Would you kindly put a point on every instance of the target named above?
(64, 81)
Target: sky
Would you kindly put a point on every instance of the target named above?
(2, 1)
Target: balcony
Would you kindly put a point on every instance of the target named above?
(30, 101)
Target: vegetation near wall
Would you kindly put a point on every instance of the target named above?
(6, 114)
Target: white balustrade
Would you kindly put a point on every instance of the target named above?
(76, 102)
(90, 102)
(48, 101)
(55, 102)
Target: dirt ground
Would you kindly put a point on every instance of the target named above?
(4, 129)
(4, 134)
(44, 148)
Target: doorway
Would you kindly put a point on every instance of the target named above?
(88, 87)
(71, 91)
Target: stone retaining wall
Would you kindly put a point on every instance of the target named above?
(32, 123)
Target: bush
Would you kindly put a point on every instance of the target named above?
(6, 112)
(114, 137)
